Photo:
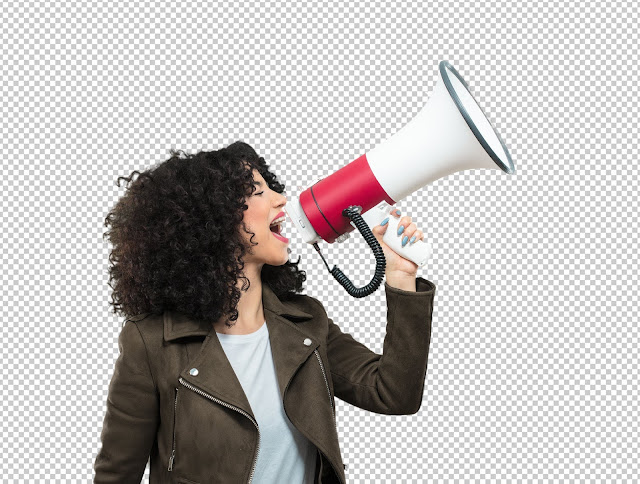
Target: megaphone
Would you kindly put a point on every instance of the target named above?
(451, 133)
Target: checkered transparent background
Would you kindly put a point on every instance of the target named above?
(533, 369)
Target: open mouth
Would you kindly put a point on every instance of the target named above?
(276, 225)
(276, 229)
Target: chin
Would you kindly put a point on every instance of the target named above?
(275, 263)
(286, 259)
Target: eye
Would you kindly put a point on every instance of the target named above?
(260, 193)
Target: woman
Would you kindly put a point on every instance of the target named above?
(226, 373)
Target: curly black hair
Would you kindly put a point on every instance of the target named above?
(172, 247)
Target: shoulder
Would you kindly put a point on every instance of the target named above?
(150, 326)
(314, 305)
(145, 319)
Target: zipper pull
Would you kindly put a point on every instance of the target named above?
(173, 456)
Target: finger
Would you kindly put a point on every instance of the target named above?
(403, 224)
(417, 235)
(407, 234)
(381, 228)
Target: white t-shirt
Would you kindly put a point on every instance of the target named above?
(285, 454)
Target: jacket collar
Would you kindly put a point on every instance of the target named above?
(291, 346)
(177, 325)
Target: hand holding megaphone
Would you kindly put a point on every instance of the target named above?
(409, 235)
(417, 252)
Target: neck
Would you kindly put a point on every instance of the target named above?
(250, 310)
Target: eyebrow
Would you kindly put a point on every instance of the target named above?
(257, 183)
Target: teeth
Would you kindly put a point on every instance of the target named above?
(277, 221)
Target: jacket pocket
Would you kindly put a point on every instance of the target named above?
(173, 445)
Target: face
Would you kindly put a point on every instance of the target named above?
(264, 205)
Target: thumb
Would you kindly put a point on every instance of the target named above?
(379, 230)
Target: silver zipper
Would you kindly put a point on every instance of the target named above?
(197, 390)
(173, 448)
(328, 391)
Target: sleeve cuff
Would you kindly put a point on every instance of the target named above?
(422, 286)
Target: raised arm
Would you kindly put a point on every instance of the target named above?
(391, 383)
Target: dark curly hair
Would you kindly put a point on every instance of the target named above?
(172, 244)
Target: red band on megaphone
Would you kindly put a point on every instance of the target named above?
(353, 184)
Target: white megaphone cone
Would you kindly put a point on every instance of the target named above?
(451, 133)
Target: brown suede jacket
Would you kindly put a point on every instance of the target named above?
(175, 399)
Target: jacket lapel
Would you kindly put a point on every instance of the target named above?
(215, 375)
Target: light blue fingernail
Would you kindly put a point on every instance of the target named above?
(404, 240)
(413, 239)
(384, 222)
(401, 229)
(398, 212)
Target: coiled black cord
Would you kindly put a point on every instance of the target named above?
(353, 213)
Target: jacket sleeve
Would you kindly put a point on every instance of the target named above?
(132, 415)
(391, 383)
